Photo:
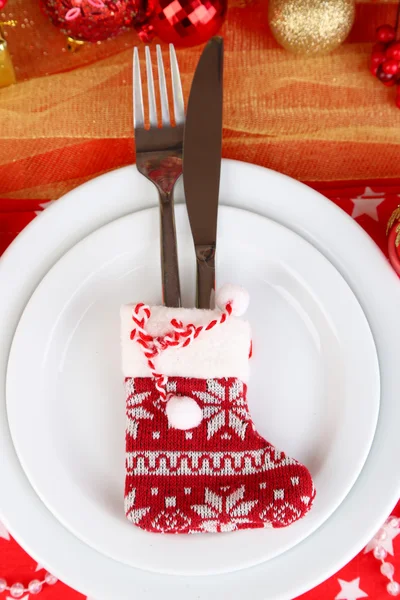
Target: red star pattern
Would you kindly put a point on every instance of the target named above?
(371, 204)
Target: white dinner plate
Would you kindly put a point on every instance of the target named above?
(314, 390)
(377, 488)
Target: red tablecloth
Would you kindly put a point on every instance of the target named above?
(371, 204)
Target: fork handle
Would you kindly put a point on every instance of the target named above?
(169, 252)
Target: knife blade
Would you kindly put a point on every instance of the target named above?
(202, 146)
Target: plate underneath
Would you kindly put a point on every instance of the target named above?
(314, 391)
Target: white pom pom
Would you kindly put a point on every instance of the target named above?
(236, 295)
(183, 412)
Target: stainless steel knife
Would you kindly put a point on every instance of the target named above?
(202, 164)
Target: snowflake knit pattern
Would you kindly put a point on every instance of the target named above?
(219, 475)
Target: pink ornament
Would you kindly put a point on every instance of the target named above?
(35, 587)
(50, 579)
(380, 553)
(74, 13)
(381, 535)
(393, 588)
(394, 522)
(387, 569)
(90, 20)
(17, 590)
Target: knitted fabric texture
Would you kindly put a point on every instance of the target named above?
(219, 476)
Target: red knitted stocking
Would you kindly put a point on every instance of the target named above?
(198, 464)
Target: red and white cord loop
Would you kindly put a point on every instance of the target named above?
(181, 336)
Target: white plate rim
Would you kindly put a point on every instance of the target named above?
(315, 271)
(284, 207)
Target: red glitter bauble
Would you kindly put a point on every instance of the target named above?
(188, 22)
(91, 20)
(144, 10)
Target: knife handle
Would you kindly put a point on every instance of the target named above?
(205, 260)
(169, 252)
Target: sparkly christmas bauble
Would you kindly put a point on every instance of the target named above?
(187, 22)
(90, 20)
(393, 231)
(310, 26)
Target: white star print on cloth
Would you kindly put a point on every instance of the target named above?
(367, 203)
(3, 532)
(22, 598)
(350, 590)
(43, 206)
(387, 543)
(39, 567)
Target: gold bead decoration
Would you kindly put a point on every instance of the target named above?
(310, 26)
(74, 45)
(7, 73)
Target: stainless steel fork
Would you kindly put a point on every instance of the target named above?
(159, 157)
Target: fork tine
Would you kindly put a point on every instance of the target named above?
(179, 107)
(150, 89)
(163, 88)
(138, 113)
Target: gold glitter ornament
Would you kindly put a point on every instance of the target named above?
(310, 26)
(7, 73)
